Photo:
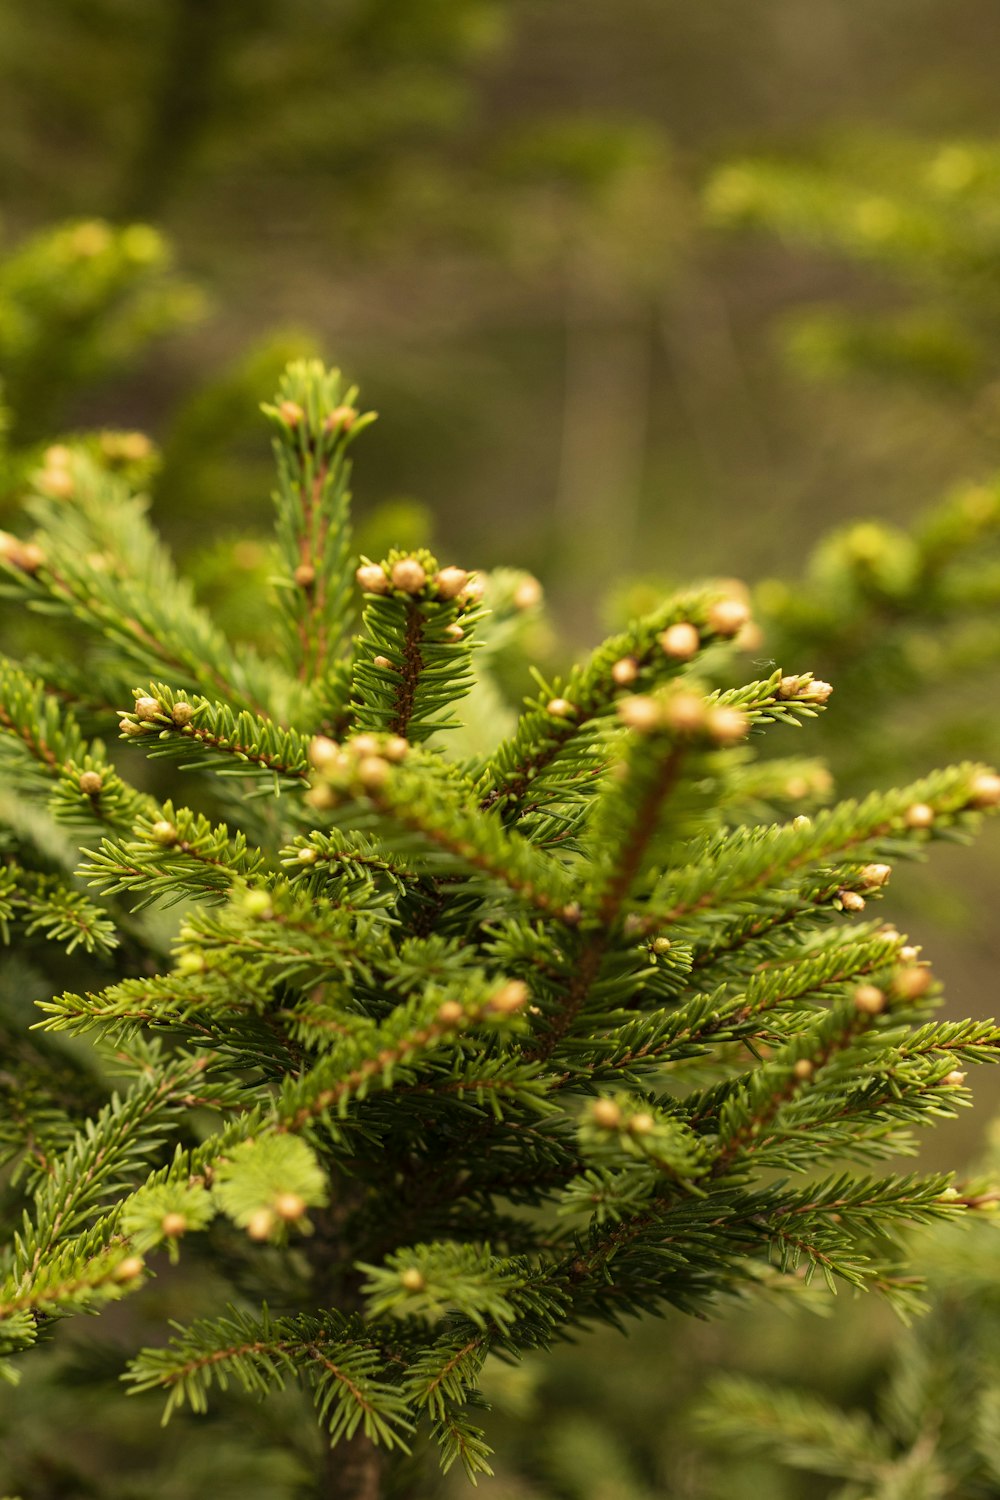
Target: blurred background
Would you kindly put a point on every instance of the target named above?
(643, 291)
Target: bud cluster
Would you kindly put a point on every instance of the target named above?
(419, 575)
(683, 713)
(363, 762)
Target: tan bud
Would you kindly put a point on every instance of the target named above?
(32, 557)
(727, 726)
(383, 662)
(816, 691)
(148, 708)
(803, 1069)
(450, 1013)
(307, 856)
(130, 728)
(876, 875)
(795, 788)
(606, 1114)
(954, 1079)
(661, 945)
(680, 641)
(396, 748)
(57, 482)
(260, 1224)
(411, 1279)
(341, 419)
(527, 594)
(912, 982)
(473, 591)
(750, 637)
(289, 1206)
(134, 447)
(919, 815)
(512, 997)
(640, 713)
(869, 999)
(321, 797)
(164, 832)
(684, 713)
(364, 744)
(625, 671)
(728, 616)
(91, 783)
(323, 752)
(305, 575)
(571, 913)
(128, 1269)
(182, 713)
(642, 1124)
(559, 708)
(909, 954)
(986, 790)
(173, 1225)
(373, 772)
(851, 900)
(408, 575)
(290, 412)
(57, 457)
(372, 579)
(450, 582)
(790, 687)
(454, 631)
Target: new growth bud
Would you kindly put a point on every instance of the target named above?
(372, 578)
(625, 671)
(408, 575)
(606, 1114)
(919, 815)
(510, 999)
(91, 783)
(449, 582)
(148, 708)
(727, 726)
(986, 790)
(728, 616)
(680, 641)
(869, 999)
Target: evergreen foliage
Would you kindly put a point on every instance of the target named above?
(447, 1053)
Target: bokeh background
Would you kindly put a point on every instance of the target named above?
(643, 291)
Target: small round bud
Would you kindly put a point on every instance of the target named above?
(909, 954)
(661, 945)
(32, 557)
(640, 713)
(341, 419)
(684, 713)
(289, 1206)
(642, 1124)
(260, 1224)
(795, 788)
(133, 447)
(323, 752)
(372, 579)
(373, 772)
(919, 815)
(869, 1000)
(680, 641)
(364, 744)
(803, 1069)
(527, 594)
(148, 708)
(321, 797)
(130, 728)
(954, 1079)
(57, 457)
(164, 832)
(412, 1280)
(450, 582)
(173, 1225)
(801, 821)
(876, 875)
(606, 1114)
(450, 1013)
(510, 998)
(750, 637)
(57, 482)
(727, 726)
(473, 591)
(396, 748)
(851, 900)
(258, 904)
(290, 412)
(559, 708)
(305, 575)
(128, 1269)
(454, 631)
(182, 713)
(986, 790)
(571, 912)
(727, 616)
(383, 662)
(912, 982)
(307, 856)
(625, 671)
(189, 963)
(408, 575)
(91, 783)
(815, 691)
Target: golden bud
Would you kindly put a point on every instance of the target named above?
(986, 790)
(408, 575)
(372, 579)
(510, 998)
(450, 1013)
(289, 1206)
(182, 713)
(869, 999)
(625, 671)
(680, 641)
(919, 815)
(728, 616)
(148, 708)
(412, 1280)
(173, 1225)
(450, 582)
(727, 726)
(606, 1114)
(305, 575)
(91, 783)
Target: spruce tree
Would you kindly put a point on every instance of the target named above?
(414, 1053)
